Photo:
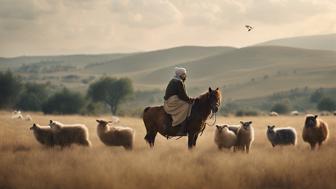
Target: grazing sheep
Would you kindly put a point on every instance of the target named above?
(273, 114)
(17, 115)
(115, 119)
(295, 113)
(43, 134)
(245, 137)
(315, 131)
(28, 118)
(224, 138)
(281, 136)
(115, 136)
(65, 135)
(324, 113)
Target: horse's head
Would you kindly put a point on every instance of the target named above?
(214, 99)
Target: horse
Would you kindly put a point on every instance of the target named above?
(155, 118)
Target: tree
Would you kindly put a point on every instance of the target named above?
(10, 88)
(64, 102)
(33, 97)
(281, 108)
(326, 104)
(110, 91)
(316, 96)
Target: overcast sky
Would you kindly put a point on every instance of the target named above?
(39, 27)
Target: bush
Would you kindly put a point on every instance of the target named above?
(64, 102)
(326, 104)
(281, 108)
(10, 88)
(33, 97)
(247, 113)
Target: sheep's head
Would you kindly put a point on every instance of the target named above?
(103, 123)
(222, 128)
(270, 129)
(54, 124)
(33, 127)
(246, 125)
(311, 120)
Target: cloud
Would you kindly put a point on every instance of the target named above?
(144, 13)
(97, 26)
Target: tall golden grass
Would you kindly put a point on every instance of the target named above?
(26, 164)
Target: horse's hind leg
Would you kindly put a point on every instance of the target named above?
(150, 138)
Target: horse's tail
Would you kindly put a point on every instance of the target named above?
(145, 110)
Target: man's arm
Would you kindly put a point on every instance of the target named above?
(182, 94)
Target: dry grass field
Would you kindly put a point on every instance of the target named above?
(26, 164)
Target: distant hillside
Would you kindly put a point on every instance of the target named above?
(323, 42)
(69, 60)
(154, 60)
(241, 73)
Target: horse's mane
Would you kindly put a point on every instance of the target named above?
(203, 97)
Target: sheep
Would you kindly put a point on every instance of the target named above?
(224, 138)
(28, 118)
(115, 119)
(65, 135)
(17, 115)
(295, 113)
(315, 131)
(273, 114)
(281, 136)
(43, 134)
(115, 135)
(234, 128)
(245, 137)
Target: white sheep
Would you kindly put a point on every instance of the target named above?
(224, 138)
(273, 114)
(245, 137)
(281, 136)
(43, 134)
(65, 135)
(28, 118)
(115, 135)
(17, 115)
(295, 113)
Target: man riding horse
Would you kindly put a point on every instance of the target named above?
(177, 103)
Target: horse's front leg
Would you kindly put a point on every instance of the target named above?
(195, 139)
(191, 138)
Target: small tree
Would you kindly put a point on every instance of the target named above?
(110, 91)
(281, 108)
(33, 96)
(316, 96)
(10, 88)
(326, 104)
(64, 102)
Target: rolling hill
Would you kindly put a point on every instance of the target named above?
(323, 42)
(241, 73)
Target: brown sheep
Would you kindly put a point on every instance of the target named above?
(315, 131)
(43, 134)
(245, 137)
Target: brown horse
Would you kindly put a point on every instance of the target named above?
(155, 118)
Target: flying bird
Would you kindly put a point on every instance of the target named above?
(249, 28)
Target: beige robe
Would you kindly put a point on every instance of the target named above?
(177, 108)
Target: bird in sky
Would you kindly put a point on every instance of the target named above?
(249, 28)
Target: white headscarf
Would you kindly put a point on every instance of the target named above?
(180, 71)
